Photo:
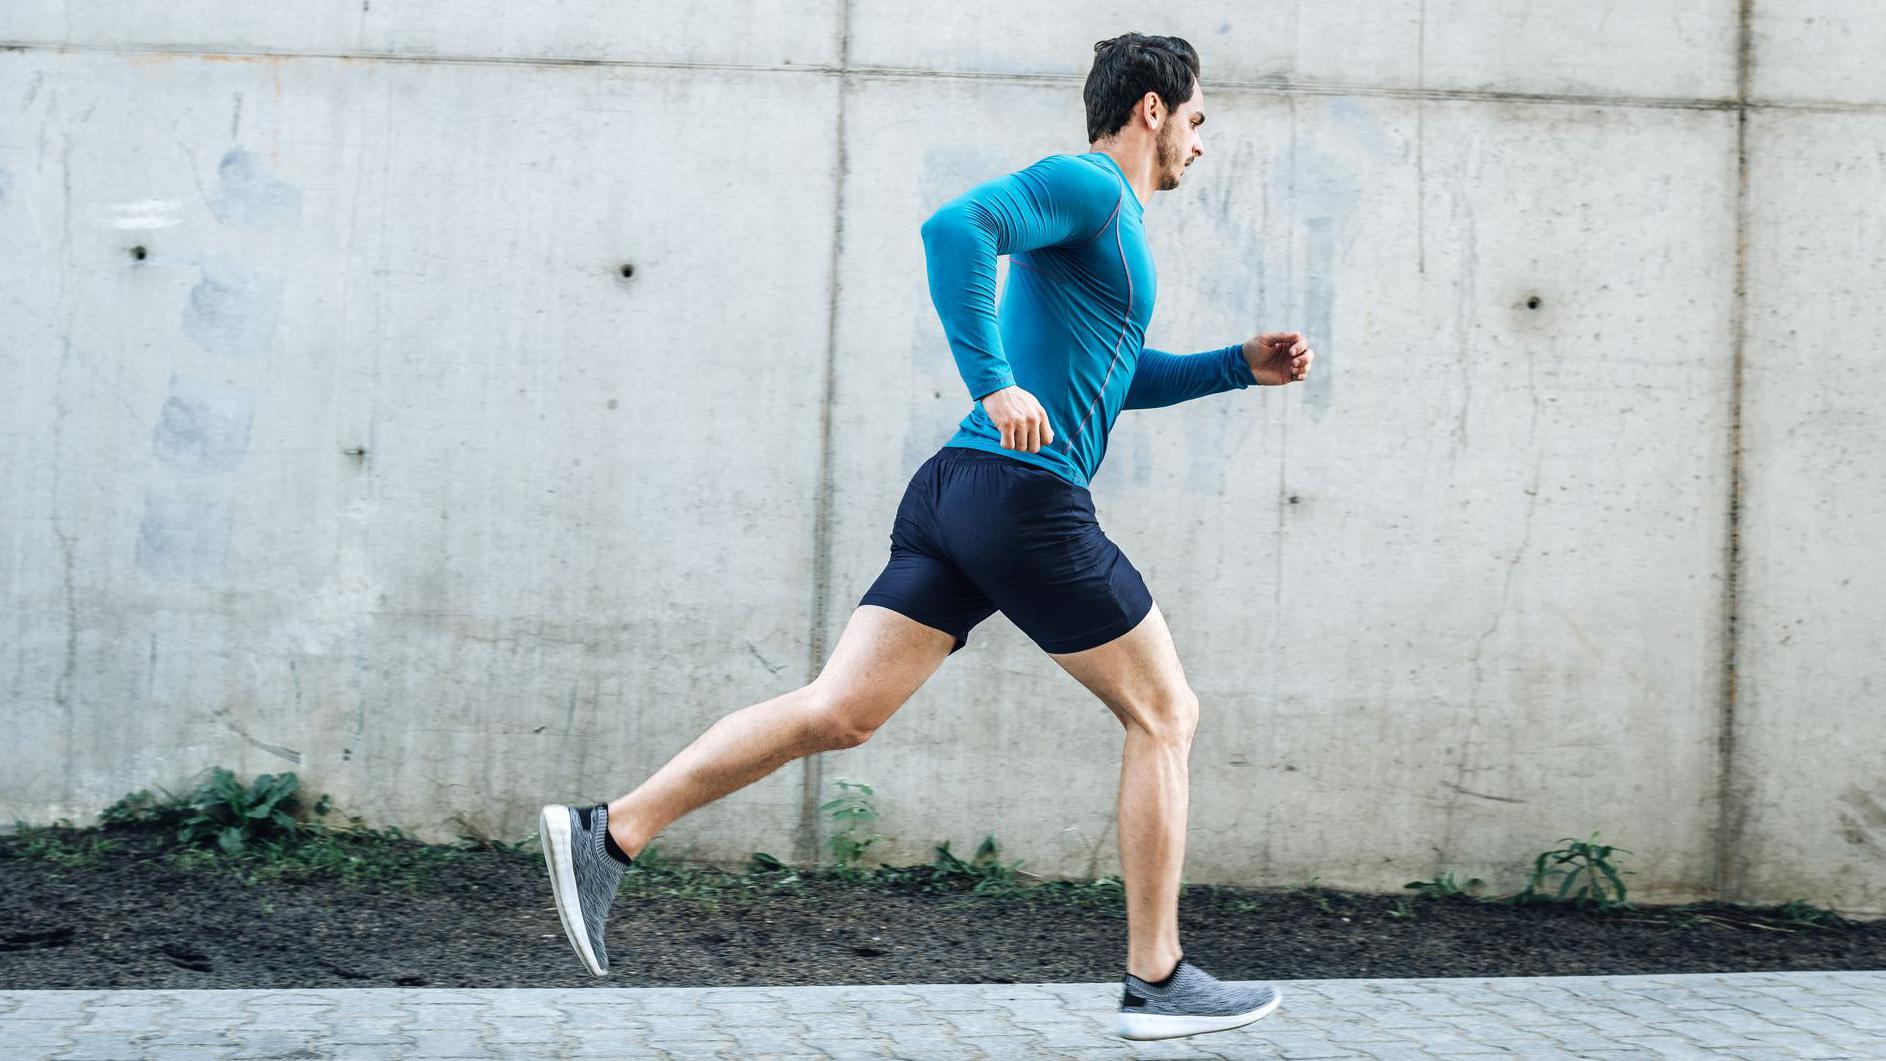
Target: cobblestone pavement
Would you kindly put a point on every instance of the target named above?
(1718, 1015)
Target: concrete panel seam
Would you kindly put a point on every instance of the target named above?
(1727, 813)
(1266, 86)
(812, 776)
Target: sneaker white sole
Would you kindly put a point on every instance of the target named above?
(553, 829)
(1172, 1026)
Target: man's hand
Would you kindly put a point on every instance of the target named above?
(1277, 358)
(1022, 420)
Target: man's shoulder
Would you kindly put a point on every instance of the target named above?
(1079, 173)
(1081, 164)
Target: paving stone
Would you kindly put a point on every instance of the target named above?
(434, 1016)
(199, 1037)
(528, 1051)
(1451, 1045)
(282, 1044)
(1701, 1032)
(1667, 1046)
(39, 1027)
(1385, 1052)
(1303, 1048)
(457, 1042)
(520, 1035)
(62, 1006)
(101, 1046)
(1010, 1045)
(134, 1018)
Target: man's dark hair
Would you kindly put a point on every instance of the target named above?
(1129, 66)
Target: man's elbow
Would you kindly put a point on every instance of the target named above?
(940, 224)
(955, 220)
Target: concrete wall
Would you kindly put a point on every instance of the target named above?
(376, 467)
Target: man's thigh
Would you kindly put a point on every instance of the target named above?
(880, 660)
(1137, 674)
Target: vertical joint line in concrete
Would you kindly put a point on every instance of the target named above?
(1728, 814)
(812, 774)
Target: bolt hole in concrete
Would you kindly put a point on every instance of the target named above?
(137, 254)
(626, 271)
(1533, 302)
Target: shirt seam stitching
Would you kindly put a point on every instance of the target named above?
(1125, 319)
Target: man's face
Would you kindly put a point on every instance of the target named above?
(1178, 144)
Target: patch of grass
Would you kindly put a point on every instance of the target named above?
(1316, 892)
(353, 855)
(1107, 892)
(61, 844)
(985, 872)
(982, 876)
(1795, 915)
(1802, 912)
(261, 832)
(257, 832)
(1443, 886)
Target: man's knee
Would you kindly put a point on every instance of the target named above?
(839, 719)
(1170, 716)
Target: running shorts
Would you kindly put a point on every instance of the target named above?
(977, 531)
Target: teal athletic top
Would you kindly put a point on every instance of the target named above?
(1072, 323)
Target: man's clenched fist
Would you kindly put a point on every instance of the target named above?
(1022, 420)
(1278, 357)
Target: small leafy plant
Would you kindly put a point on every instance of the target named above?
(853, 811)
(1602, 884)
(991, 876)
(1803, 912)
(221, 810)
(1443, 886)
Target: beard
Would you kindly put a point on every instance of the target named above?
(1166, 158)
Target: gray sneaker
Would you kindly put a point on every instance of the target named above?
(1191, 1002)
(582, 876)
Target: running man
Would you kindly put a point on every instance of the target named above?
(1001, 518)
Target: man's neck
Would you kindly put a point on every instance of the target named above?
(1137, 165)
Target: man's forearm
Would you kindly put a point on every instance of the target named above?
(1163, 378)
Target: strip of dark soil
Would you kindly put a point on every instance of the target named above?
(485, 919)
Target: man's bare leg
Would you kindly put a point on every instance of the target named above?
(1137, 675)
(880, 660)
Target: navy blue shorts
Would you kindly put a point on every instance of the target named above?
(977, 531)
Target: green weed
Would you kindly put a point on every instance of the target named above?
(1602, 887)
(1443, 886)
(985, 873)
(220, 810)
(853, 811)
(62, 844)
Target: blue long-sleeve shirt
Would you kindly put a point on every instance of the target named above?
(1072, 321)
